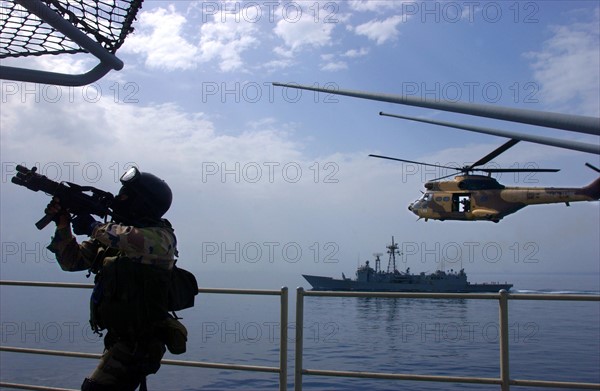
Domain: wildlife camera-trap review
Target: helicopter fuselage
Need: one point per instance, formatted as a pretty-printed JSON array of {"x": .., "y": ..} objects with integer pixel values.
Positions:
[{"x": 477, "y": 197}]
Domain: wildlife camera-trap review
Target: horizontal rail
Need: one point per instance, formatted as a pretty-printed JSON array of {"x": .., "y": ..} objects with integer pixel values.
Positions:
[
  {"x": 34, "y": 388},
  {"x": 215, "y": 365},
  {"x": 472, "y": 296},
  {"x": 46, "y": 284},
  {"x": 553, "y": 297},
  {"x": 403, "y": 376},
  {"x": 558, "y": 384},
  {"x": 181, "y": 363},
  {"x": 267, "y": 292},
  {"x": 48, "y": 352},
  {"x": 403, "y": 295}
]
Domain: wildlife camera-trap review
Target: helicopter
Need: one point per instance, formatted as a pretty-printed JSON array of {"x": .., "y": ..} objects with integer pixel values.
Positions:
[{"x": 472, "y": 197}]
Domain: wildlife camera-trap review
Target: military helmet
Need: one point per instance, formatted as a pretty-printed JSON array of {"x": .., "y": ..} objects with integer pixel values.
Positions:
[{"x": 148, "y": 197}]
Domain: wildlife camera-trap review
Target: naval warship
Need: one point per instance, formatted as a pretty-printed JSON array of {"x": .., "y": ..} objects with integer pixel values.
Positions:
[{"x": 392, "y": 280}]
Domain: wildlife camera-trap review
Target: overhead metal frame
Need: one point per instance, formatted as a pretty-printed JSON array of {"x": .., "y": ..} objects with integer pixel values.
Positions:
[
  {"x": 568, "y": 122},
  {"x": 568, "y": 144},
  {"x": 108, "y": 61},
  {"x": 573, "y": 123}
]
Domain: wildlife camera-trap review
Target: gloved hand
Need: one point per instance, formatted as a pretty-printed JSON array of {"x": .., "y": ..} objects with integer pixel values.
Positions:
[
  {"x": 54, "y": 208},
  {"x": 84, "y": 224}
]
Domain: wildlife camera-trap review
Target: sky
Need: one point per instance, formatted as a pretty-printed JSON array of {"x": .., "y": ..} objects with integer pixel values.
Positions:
[{"x": 272, "y": 183}]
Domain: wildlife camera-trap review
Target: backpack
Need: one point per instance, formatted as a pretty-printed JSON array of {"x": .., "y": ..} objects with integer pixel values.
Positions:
[{"x": 182, "y": 290}]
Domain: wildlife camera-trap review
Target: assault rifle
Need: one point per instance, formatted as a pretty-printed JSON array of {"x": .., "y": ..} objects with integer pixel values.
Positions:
[{"x": 74, "y": 198}]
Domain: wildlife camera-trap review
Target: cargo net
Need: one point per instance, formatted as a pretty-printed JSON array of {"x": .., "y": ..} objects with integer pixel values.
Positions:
[{"x": 24, "y": 34}]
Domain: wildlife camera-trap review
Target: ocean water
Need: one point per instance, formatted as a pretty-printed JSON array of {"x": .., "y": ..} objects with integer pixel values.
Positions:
[{"x": 548, "y": 340}]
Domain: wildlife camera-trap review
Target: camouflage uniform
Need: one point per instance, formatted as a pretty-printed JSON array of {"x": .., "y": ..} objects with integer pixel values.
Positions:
[{"x": 131, "y": 310}]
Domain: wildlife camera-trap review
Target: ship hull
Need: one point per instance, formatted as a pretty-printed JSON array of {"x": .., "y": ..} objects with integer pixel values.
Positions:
[{"x": 321, "y": 283}]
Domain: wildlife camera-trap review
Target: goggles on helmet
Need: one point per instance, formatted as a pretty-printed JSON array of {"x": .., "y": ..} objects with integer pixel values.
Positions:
[{"x": 130, "y": 176}]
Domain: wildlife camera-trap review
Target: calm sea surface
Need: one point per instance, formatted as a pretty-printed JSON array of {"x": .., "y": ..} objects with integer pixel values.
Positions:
[{"x": 548, "y": 340}]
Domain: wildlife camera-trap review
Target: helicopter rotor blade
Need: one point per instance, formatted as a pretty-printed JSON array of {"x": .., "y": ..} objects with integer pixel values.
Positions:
[
  {"x": 442, "y": 177},
  {"x": 492, "y": 170},
  {"x": 501, "y": 149},
  {"x": 410, "y": 161},
  {"x": 593, "y": 167}
]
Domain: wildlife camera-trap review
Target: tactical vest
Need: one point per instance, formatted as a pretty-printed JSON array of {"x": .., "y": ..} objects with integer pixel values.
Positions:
[{"x": 129, "y": 298}]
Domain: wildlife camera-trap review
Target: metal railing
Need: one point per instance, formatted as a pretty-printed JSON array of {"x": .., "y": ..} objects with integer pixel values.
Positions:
[
  {"x": 283, "y": 356},
  {"x": 504, "y": 381}
]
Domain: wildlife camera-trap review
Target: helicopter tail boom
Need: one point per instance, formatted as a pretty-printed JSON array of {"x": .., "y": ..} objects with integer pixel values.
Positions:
[{"x": 551, "y": 195}]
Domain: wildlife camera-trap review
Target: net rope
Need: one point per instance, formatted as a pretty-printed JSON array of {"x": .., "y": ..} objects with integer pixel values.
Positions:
[{"x": 24, "y": 34}]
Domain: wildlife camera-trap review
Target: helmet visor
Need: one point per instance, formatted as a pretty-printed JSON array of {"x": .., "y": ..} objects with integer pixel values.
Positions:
[{"x": 130, "y": 176}]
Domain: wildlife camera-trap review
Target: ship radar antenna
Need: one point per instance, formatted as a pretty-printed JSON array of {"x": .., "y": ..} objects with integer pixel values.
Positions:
[
  {"x": 377, "y": 262},
  {"x": 392, "y": 250}
]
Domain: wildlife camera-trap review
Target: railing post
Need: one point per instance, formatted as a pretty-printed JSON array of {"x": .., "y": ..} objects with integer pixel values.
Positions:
[
  {"x": 504, "y": 360},
  {"x": 283, "y": 344},
  {"x": 299, "y": 338}
]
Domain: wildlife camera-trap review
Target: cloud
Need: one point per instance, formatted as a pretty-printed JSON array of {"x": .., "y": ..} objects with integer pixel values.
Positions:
[
  {"x": 276, "y": 65},
  {"x": 567, "y": 67},
  {"x": 304, "y": 31},
  {"x": 226, "y": 38},
  {"x": 332, "y": 63},
  {"x": 223, "y": 38},
  {"x": 375, "y": 5},
  {"x": 164, "y": 137},
  {"x": 353, "y": 53},
  {"x": 159, "y": 38},
  {"x": 380, "y": 31},
  {"x": 334, "y": 66}
]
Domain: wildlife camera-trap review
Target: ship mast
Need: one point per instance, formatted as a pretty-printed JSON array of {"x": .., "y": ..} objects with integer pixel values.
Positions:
[
  {"x": 377, "y": 262},
  {"x": 392, "y": 250}
]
